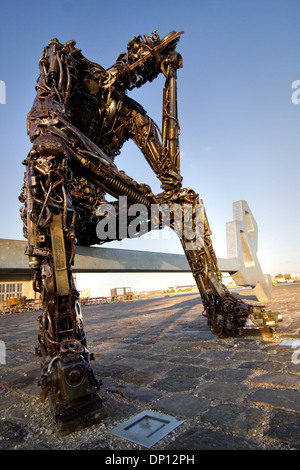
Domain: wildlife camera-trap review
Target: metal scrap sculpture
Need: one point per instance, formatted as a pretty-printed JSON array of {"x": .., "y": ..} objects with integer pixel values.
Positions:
[{"x": 79, "y": 121}]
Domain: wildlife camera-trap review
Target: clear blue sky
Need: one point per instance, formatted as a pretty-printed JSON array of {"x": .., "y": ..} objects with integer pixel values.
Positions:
[{"x": 240, "y": 130}]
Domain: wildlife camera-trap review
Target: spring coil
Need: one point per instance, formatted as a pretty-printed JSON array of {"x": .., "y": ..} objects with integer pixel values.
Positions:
[{"x": 121, "y": 188}]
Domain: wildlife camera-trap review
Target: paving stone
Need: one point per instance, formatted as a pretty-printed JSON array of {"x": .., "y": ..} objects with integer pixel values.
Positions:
[
  {"x": 24, "y": 379},
  {"x": 134, "y": 392},
  {"x": 141, "y": 393},
  {"x": 188, "y": 371},
  {"x": 175, "y": 384},
  {"x": 192, "y": 348},
  {"x": 96, "y": 444},
  {"x": 277, "y": 379},
  {"x": 285, "y": 427},
  {"x": 11, "y": 434},
  {"x": 158, "y": 367},
  {"x": 220, "y": 363},
  {"x": 182, "y": 405},
  {"x": 141, "y": 377},
  {"x": 282, "y": 357},
  {"x": 228, "y": 375},
  {"x": 234, "y": 418},
  {"x": 162, "y": 358},
  {"x": 118, "y": 410},
  {"x": 276, "y": 398},
  {"x": 215, "y": 354},
  {"x": 7, "y": 398},
  {"x": 292, "y": 368},
  {"x": 112, "y": 370},
  {"x": 17, "y": 414},
  {"x": 134, "y": 363},
  {"x": 263, "y": 365},
  {"x": 162, "y": 346},
  {"x": 7, "y": 376},
  {"x": 250, "y": 355},
  {"x": 200, "y": 438},
  {"x": 222, "y": 391}
]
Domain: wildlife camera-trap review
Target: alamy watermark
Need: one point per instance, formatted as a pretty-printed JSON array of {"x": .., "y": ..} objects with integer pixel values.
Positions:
[
  {"x": 294, "y": 344},
  {"x": 2, "y": 92},
  {"x": 296, "y": 354},
  {"x": 130, "y": 221},
  {"x": 296, "y": 94},
  {"x": 2, "y": 352}
]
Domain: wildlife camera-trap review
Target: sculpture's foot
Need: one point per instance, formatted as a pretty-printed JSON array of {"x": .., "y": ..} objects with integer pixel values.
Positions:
[
  {"x": 79, "y": 414},
  {"x": 231, "y": 316},
  {"x": 71, "y": 386},
  {"x": 261, "y": 322}
]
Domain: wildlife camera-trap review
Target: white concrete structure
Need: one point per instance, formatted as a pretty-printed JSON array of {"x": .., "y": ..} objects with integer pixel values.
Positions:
[{"x": 242, "y": 245}]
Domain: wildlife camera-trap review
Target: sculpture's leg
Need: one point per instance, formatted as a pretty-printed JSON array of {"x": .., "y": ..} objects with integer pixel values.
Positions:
[
  {"x": 226, "y": 314},
  {"x": 66, "y": 376}
]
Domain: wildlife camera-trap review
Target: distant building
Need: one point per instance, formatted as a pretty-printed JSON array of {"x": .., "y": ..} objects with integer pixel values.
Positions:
[
  {"x": 19, "y": 288},
  {"x": 85, "y": 294},
  {"x": 121, "y": 293},
  {"x": 283, "y": 278}
]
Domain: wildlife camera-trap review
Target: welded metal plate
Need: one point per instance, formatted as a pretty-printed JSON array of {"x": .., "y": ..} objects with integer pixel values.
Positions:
[{"x": 146, "y": 428}]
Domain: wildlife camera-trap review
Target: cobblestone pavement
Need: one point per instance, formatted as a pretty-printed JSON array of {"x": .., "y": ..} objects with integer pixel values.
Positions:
[{"x": 158, "y": 354}]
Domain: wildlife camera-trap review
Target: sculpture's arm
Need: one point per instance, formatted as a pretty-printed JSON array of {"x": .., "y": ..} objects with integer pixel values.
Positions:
[
  {"x": 143, "y": 61},
  {"x": 160, "y": 147}
]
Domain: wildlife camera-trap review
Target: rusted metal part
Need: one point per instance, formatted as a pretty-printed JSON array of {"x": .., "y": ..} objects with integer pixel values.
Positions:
[{"x": 78, "y": 123}]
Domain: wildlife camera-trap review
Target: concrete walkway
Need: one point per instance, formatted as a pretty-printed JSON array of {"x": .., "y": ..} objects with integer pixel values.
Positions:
[{"x": 158, "y": 354}]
